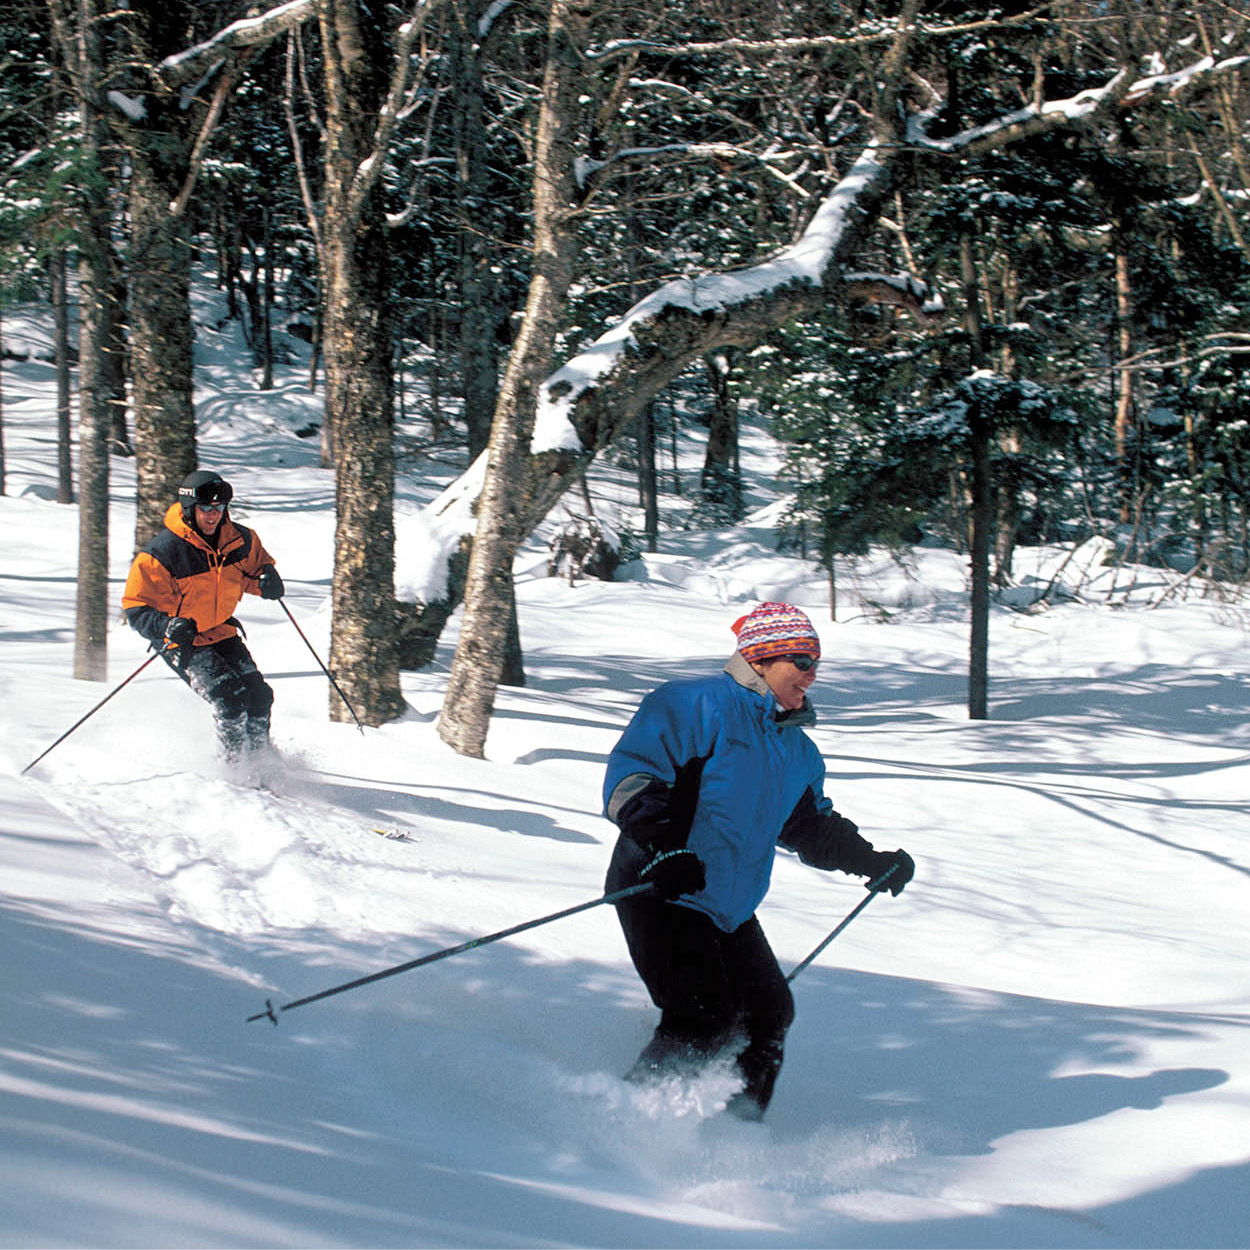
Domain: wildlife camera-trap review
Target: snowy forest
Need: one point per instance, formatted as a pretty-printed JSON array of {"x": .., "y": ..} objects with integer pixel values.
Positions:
[
  {"x": 982, "y": 269},
  {"x": 541, "y": 341}
]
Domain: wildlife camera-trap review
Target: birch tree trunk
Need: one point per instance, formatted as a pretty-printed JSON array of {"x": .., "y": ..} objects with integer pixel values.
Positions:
[
  {"x": 480, "y": 316},
  {"x": 980, "y": 505},
  {"x": 116, "y": 365},
  {"x": 721, "y": 481},
  {"x": 1124, "y": 386},
  {"x": 60, "y": 323},
  {"x": 76, "y": 29},
  {"x": 648, "y": 485},
  {"x": 365, "y": 60},
  {"x": 504, "y": 506},
  {"x": 159, "y": 280},
  {"x": 94, "y": 428},
  {"x": 158, "y": 269},
  {"x": 359, "y": 382},
  {"x": 2, "y": 468}
]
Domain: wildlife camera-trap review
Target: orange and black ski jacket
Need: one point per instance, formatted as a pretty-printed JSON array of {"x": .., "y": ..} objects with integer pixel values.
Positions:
[{"x": 179, "y": 573}]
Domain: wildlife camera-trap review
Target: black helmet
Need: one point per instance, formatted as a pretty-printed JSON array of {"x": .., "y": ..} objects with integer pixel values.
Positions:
[{"x": 202, "y": 486}]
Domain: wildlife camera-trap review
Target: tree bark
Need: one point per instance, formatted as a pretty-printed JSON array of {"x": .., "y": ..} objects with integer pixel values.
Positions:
[
  {"x": 648, "y": 486},
  {"x": 94, "y": 428},
  {"x": 981, "y": 503},
  {"x": 116, "y": 371},
  {"x": 76, "y": 30},
  {"x": 979, "y": 608},
  {"x": 1006, "y": 489},
  {"x": 60, "y": 322},
  {"x": 359, "y": 385},
  {"x": 2, "y": 467},
  {"x": 721, "y": 483},
  {"x": 1124, "y": 385},
  {"x": 159, "y": 273},
  {"x": 480, "y": 316},
  {"x": 504, "y": 506},
  {"x": 158, "y": 269},
  {"x": 365, "y": 62}
]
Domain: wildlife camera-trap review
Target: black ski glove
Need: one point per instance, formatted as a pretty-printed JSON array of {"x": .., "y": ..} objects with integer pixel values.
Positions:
[
  {"x": 674, "y": 873},
  {"x": 891, "y": 870},
  {"x": 270, "y": 584},
  {"x": 181, "y": 631}
]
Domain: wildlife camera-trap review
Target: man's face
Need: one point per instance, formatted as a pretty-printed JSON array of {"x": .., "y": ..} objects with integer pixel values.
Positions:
[
  {"x": 788, "y": 683},
  {"x": 208, "y": 517}
]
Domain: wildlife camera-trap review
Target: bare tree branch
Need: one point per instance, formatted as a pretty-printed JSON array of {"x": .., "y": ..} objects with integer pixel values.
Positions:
[
  {"x": 1225, "y": 343},
  {"x": 294, "y": 51},
  {"x": 225, "y": 85},
  {"x": 370, "y": 169},
  {"x": 816, "y": 43}
]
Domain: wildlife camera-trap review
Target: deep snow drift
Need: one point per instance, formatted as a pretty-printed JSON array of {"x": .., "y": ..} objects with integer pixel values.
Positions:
[{"x": 1043, "y": 1041}]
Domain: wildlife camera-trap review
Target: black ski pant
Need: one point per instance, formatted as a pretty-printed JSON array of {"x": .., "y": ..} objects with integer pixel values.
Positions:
[
  {"x": 715, "y": 991},
  {"x": 224, "y": 674}
]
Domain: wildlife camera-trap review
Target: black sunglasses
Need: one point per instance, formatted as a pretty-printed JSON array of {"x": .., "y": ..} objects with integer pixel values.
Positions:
[{"x": 804, "y": 663}]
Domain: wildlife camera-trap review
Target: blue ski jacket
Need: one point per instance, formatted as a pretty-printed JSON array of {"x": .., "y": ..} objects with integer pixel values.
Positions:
[{"x": 712, "y": 765}]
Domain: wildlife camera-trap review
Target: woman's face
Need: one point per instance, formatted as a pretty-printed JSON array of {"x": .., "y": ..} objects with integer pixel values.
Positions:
[{"x": 788, "y": 683}]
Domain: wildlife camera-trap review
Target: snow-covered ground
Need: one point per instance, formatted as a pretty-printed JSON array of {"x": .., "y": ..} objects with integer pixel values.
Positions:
[{"x": 1045, "y": 1041}]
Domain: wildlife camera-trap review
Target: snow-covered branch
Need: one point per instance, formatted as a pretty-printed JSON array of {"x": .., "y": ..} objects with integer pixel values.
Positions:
[
  {"x": 1118, "y": 93},
  {"x": 247, "y": 32},
  {"x": 583, "y": 403},
  {"x": 724, "y": 308},
  {"x": 805, "y": 263},
  {"x": 904, "y": 290}
]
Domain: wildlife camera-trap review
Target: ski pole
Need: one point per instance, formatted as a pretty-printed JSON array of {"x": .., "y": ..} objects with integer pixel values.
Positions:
[
  {"x": 270, "y": 1012},
  {"x": 93, "y": 711},
  {"x": 325, "y": 670},
  {"x": 874, "y": 888}
]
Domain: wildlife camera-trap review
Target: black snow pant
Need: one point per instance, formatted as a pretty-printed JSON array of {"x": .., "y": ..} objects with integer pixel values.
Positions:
[
  {"x": 716, "y": 991},
  {"x": 224, "y": 674}
]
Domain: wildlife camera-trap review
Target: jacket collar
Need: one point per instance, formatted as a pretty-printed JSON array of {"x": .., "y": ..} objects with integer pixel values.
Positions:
[{"x": 746, "y": 676}]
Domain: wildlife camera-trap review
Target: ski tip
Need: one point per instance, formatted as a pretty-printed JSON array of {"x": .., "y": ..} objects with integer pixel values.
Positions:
[{"x": 394, "y": 834}]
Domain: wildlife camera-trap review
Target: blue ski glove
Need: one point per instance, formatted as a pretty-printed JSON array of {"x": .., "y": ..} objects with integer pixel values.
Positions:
[{"x": 674, "y": 873}]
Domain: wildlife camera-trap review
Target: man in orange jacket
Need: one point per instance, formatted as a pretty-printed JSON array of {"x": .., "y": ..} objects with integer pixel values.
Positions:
[{"x": 181, "y": 594}]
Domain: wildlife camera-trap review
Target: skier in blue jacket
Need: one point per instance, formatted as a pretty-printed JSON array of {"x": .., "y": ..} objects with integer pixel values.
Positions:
[{"x": 709, "y": 777}]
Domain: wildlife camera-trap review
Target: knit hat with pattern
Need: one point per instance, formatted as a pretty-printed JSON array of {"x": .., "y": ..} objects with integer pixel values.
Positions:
[{"x": 775, "y": 629}]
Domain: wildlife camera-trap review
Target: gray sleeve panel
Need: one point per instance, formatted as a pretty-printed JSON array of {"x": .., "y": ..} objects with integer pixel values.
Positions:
[{"x": 625, "y": 790}]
